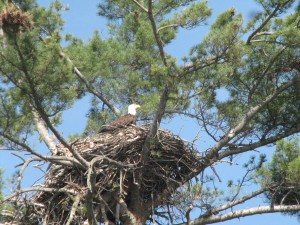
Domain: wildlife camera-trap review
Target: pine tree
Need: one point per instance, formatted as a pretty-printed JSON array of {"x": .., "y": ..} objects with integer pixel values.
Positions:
[{"x": 255, "y": 64}]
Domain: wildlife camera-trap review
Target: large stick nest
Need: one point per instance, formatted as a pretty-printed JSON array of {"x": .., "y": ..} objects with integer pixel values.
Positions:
[{"x": 171, "y": 161}]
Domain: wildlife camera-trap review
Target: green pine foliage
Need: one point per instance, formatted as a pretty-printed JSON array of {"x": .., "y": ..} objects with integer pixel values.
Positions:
[{"x": 281, "y": 175}]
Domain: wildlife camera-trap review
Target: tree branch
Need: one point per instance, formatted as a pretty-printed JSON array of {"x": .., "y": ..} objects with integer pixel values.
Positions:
[
  {"x": 254, "y": 33},
  {"x": 167, "y": 26},
  {"x": 89, "y": 86},
  {"x": 249, "y": 115},
  {"x": 140, "y": 6},
  {"x": 22, "y": 145},
  {"x": 43, "y": 131},
  {"x": 261, "y": 143},
  {"x": 21, "y": 172},
  {"x": 39, "y": 108},
  {"x": 109, "y": 161},
  {"x": 243, "y": 213},
  {"x": 164, "y": 95},
  {"x": 232, "y": 203},
  {"x": 34, "y": 189},
  {"x": 155, "y": 32},
  {"x": 156, "y": 122},
  {"x": 193, "y": 116},
  {"x": 73, "y": 209},
  {"x": 195, "y": 66},
  {"x": 89, "y": 194}
]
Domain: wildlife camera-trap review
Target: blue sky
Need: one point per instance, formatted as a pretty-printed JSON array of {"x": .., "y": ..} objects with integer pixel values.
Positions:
[{"x": 82, "y": 20}]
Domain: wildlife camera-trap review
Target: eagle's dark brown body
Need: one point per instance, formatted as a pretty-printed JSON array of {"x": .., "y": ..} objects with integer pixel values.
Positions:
[{"x": 123, "y": 121}]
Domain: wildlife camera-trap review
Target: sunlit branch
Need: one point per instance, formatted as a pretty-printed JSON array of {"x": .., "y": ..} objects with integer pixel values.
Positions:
[
  {"x": 65, "y": 161},
  {"x": 232, "y": 203},
  {"x": 43, "y": 131},
  {"x": 244, "y": 212},
  {"x": 167, "y": 26},
  {"x": 34, "y": 189},
  {"x": 263, "y": 33},
  {"x": 140, "y": 5}
]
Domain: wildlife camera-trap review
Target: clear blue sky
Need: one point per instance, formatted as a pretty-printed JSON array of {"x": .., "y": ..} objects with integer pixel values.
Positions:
[{"x": 82, "y": 20}]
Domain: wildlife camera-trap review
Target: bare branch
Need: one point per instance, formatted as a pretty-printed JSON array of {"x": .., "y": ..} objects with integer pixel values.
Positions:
[
  {"x": 61, "y": 160},
  {"x": 263, "y": 33},
  {"x": 89, "y": 194},
  {"x": 215, "y": 172},
  {"x": 140, "y": 5},
  {"x": 164, "y": 95},
  {"x": 46, "y": 119},
  {"x": 25, "y": 165},
  {"x": 43, "y": 131},
  {"x": 167, "y": 26},
  {"x": 261, "y": 143},
  {"x": 233, "y": 203},
  {"x": 156, "y": 122},
  {"x": 268, "y": 41},
  {"x": 249, "y": 115},
  {"x": 183, "y": 113},
  {"x": 73, "y": 209},
  {"x": 89, "y": 86},
  {"x": 269, "y": 66},
  {"x": 243, "y": 213},
  {"x": 22, "y": 145},
  {"x": 109, "y": 161},
  {"x": 34, "y": 189}
]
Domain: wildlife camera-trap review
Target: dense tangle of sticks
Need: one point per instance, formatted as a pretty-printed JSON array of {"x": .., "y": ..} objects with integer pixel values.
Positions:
[{"x": 115, "y": 158}]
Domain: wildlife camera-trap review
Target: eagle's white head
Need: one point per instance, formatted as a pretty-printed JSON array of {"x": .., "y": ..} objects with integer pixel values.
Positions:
[{"x": 132, "y": 109}]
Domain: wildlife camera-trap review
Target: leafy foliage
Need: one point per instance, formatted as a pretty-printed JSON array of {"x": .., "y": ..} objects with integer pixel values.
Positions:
[{"x": 281, "y": 175}]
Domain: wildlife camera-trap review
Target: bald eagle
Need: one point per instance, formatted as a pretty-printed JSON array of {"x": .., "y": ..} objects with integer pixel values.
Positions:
[{"x": 123, "y": 121}]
